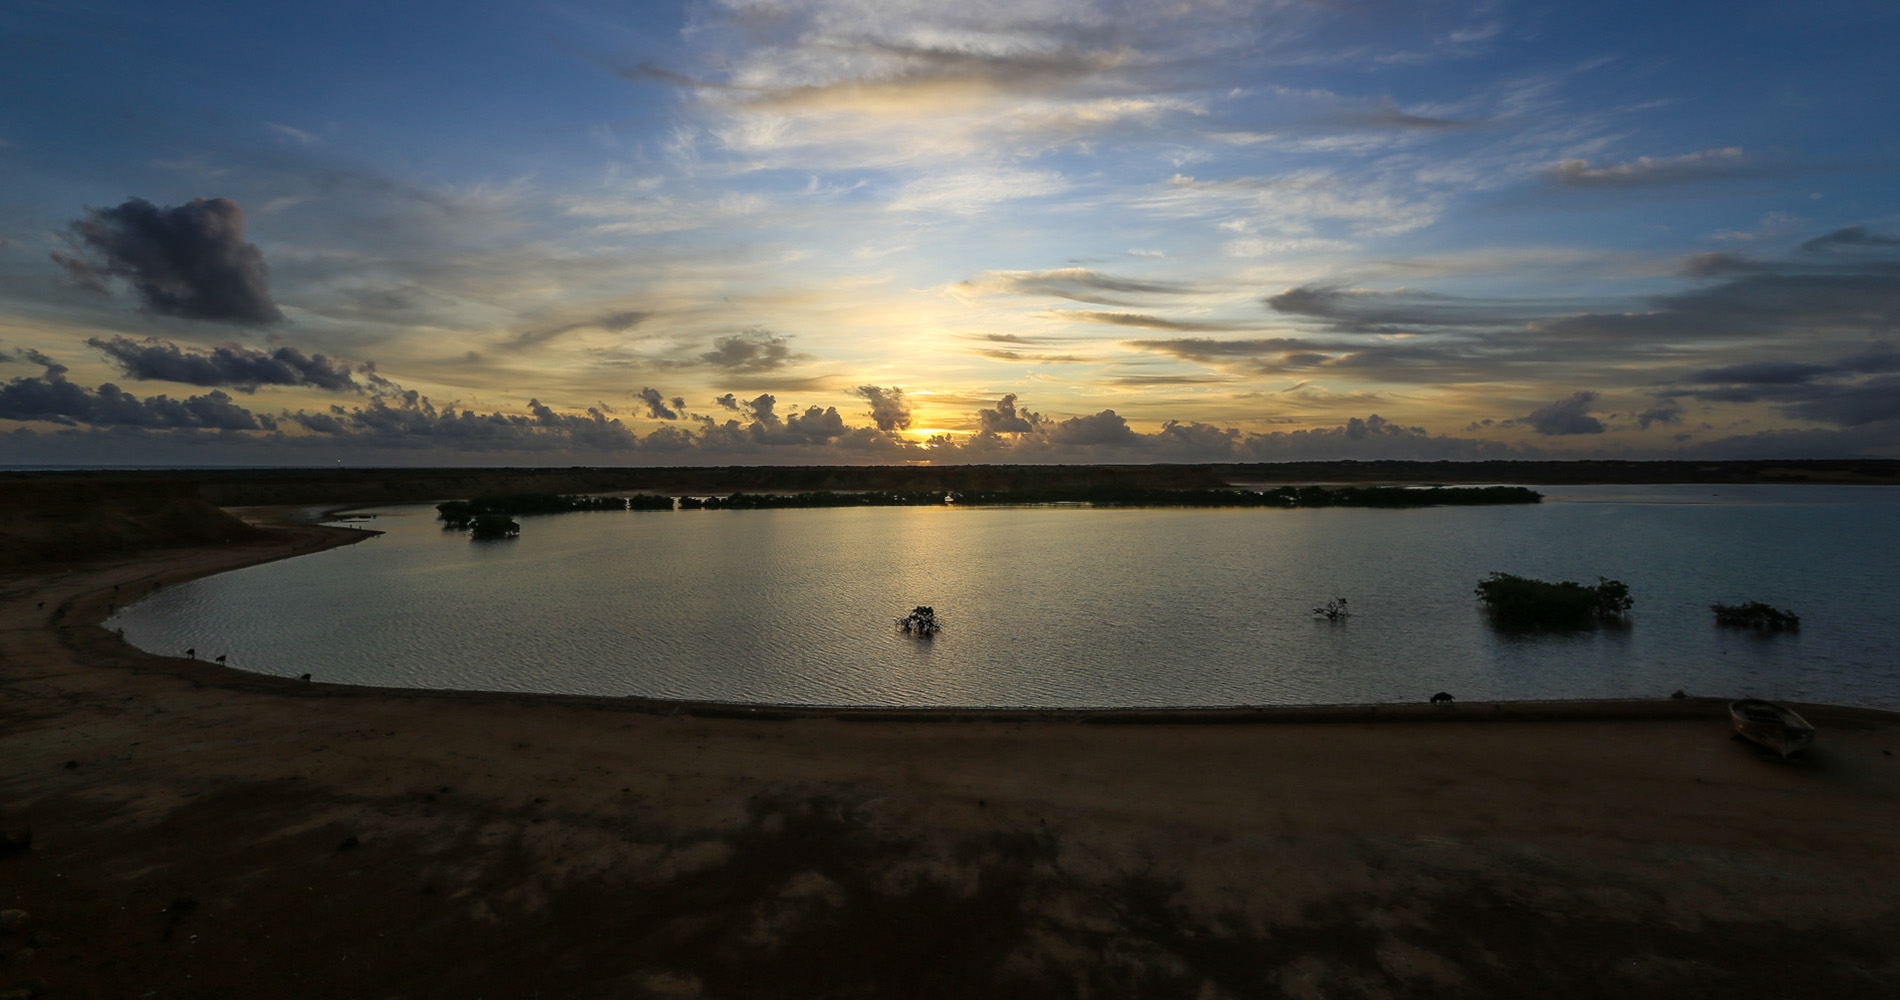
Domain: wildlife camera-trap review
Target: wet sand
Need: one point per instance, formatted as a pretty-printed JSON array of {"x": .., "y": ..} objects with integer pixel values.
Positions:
[{"x": 199, "y": 832}]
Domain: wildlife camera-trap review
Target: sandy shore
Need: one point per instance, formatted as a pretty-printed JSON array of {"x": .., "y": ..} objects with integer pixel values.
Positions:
[{"x": 203, "y": 833}]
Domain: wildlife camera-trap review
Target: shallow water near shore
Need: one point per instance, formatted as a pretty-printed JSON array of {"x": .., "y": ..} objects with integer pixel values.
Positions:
[{"x": 1075, "y": 607}]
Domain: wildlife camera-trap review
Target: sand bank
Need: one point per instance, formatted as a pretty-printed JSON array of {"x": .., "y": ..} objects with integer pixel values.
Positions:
[{"x": 201, "y": 832}]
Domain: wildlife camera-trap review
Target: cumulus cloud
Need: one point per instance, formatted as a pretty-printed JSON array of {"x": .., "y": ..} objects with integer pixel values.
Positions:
[
  {"x": 1569, "y": 415},
  {"x": 890, "y": 408},
  {"x": 656, "y": 404},
  {"x": 1004, "y": 418},
  {"x": 1104, "y": 428},
  {"x": 189, "y": 261},
  {"x": 727, "y": 402},
  {"x": 236, "y": 367},
  {"x": 49, "y": 397}
]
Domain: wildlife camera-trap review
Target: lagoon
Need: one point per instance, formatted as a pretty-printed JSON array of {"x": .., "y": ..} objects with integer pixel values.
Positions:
[{"x": 1067, "y": 606}]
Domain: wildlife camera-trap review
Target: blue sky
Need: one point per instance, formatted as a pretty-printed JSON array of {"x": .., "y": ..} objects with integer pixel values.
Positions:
[{"x": 834, "y": 231}]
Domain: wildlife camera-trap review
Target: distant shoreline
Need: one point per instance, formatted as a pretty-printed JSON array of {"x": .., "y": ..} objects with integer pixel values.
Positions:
[{"x": 258, "y": 487}]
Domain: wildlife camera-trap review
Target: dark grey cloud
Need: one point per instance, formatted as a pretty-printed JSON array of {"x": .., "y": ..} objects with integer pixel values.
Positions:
[
  {"x": 1835, "y": 392},
  {"x": 1005, "y": 418},
  {"x": 1196, "y": 439},
  {"x": 188, "y": 260},
  {"x": 1851, "y": 236},
  {"x": 1857, "y": 405},
  {"x": 1143, "y": 320},
  {"x": 409, "y": 421},
  {"x": 1207, "y": 349},
  {"x": 1667, "y": 412},
  {"x": 1879, "y": 360},
  {"x": 1402, "y": 311},
  {"x": 727, "y": 401},
  {"x": 656, "y": 404},
  {"x": 1389, "y": 115},
  {"x": 1034, "y": 359},
  {"x": 1569, "y": 415},
  {"x": 890, "y": 408},
  {"x": 753, "y": 350},
  {"x": 813, "y": 427},
  {"x": 1171, "y": 380},
  {"x": 235, "y": 367},
  {"x": 1095, "y": 430},
  {"x": 1074, "y": 283},
  {"x": 1722, "y": 265},
  {"x": 613, "y": 321},
  {"x": 51, "y": 398}
]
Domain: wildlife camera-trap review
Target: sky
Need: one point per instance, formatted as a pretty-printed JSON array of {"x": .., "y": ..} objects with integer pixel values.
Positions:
[{"x": 882, "y": 231}]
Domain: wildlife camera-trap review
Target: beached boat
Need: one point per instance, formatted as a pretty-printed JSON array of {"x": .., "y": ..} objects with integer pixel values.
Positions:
[{"x": 1770, "y": 725}]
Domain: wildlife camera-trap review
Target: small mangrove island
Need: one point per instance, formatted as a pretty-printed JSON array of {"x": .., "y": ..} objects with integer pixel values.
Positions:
[{"x": 459, "y": 513}]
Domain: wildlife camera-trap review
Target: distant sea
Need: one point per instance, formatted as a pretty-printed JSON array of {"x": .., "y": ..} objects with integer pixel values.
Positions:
[{"x": 1074, "y": 607}]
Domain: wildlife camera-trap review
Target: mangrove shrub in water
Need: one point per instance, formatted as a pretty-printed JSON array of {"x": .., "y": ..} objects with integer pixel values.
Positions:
[
  {"x": 493, "y": 526},
  {"x": 457, "y": 513},
  {"x": 1520, "y": 602},
  {"x": 1756, "y": 615}
]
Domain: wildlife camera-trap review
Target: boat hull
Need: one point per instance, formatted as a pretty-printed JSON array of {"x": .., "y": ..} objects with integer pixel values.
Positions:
[{"x": 1770, "y": 725}]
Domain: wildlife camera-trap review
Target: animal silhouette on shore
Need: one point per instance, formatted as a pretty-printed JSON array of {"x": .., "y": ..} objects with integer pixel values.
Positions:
[{"x": 1442, "y": 698}]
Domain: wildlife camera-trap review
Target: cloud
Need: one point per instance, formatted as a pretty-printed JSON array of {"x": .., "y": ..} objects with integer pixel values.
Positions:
[
  {"x": 51, "y": 398},
  {"x": 1401, "y": 310},
  {"x": 236, "y": 367},
  {"x": 1076, "y": 283},
  {"x": 815, "y": 426},
  {"x": 1646, "y": 171},
  {"x": 410, "y": 421},
  {"x": 1851, "y": 236},
  {"x": 1388, "y": 114},
  {"x": 727, "y": 401},
  {"x": 753, "y": 350},
  {"x": 1569, "y": 415},
  {"x": 883, "y": 77},
  {"x": 1143, "y": 320},
  {"x": 612, "y": 321},
  {"x": 970, "y": 192},
  {"x": 1004, "y": 418},
  {"x": 1104, "y": 428},
  {"x": 1832, "y": 392},
  {"x": 1022, "y": 357},
  {"x": 189, "y": 261},
  {"x": 1668, "y": 412},
  {"x": 656, "y": 404},
  {"x": 890, "y": 409}
]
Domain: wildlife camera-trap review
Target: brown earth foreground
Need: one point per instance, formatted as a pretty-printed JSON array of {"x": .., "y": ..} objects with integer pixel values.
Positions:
[{"x": 204, "y": 833}]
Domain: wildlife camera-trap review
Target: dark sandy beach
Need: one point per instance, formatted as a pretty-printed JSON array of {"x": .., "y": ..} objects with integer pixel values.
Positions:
[{"x": 198, "y": 832}]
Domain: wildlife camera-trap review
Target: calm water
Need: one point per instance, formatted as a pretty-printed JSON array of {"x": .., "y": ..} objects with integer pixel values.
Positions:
[{"x": 1061, "y": 606}]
